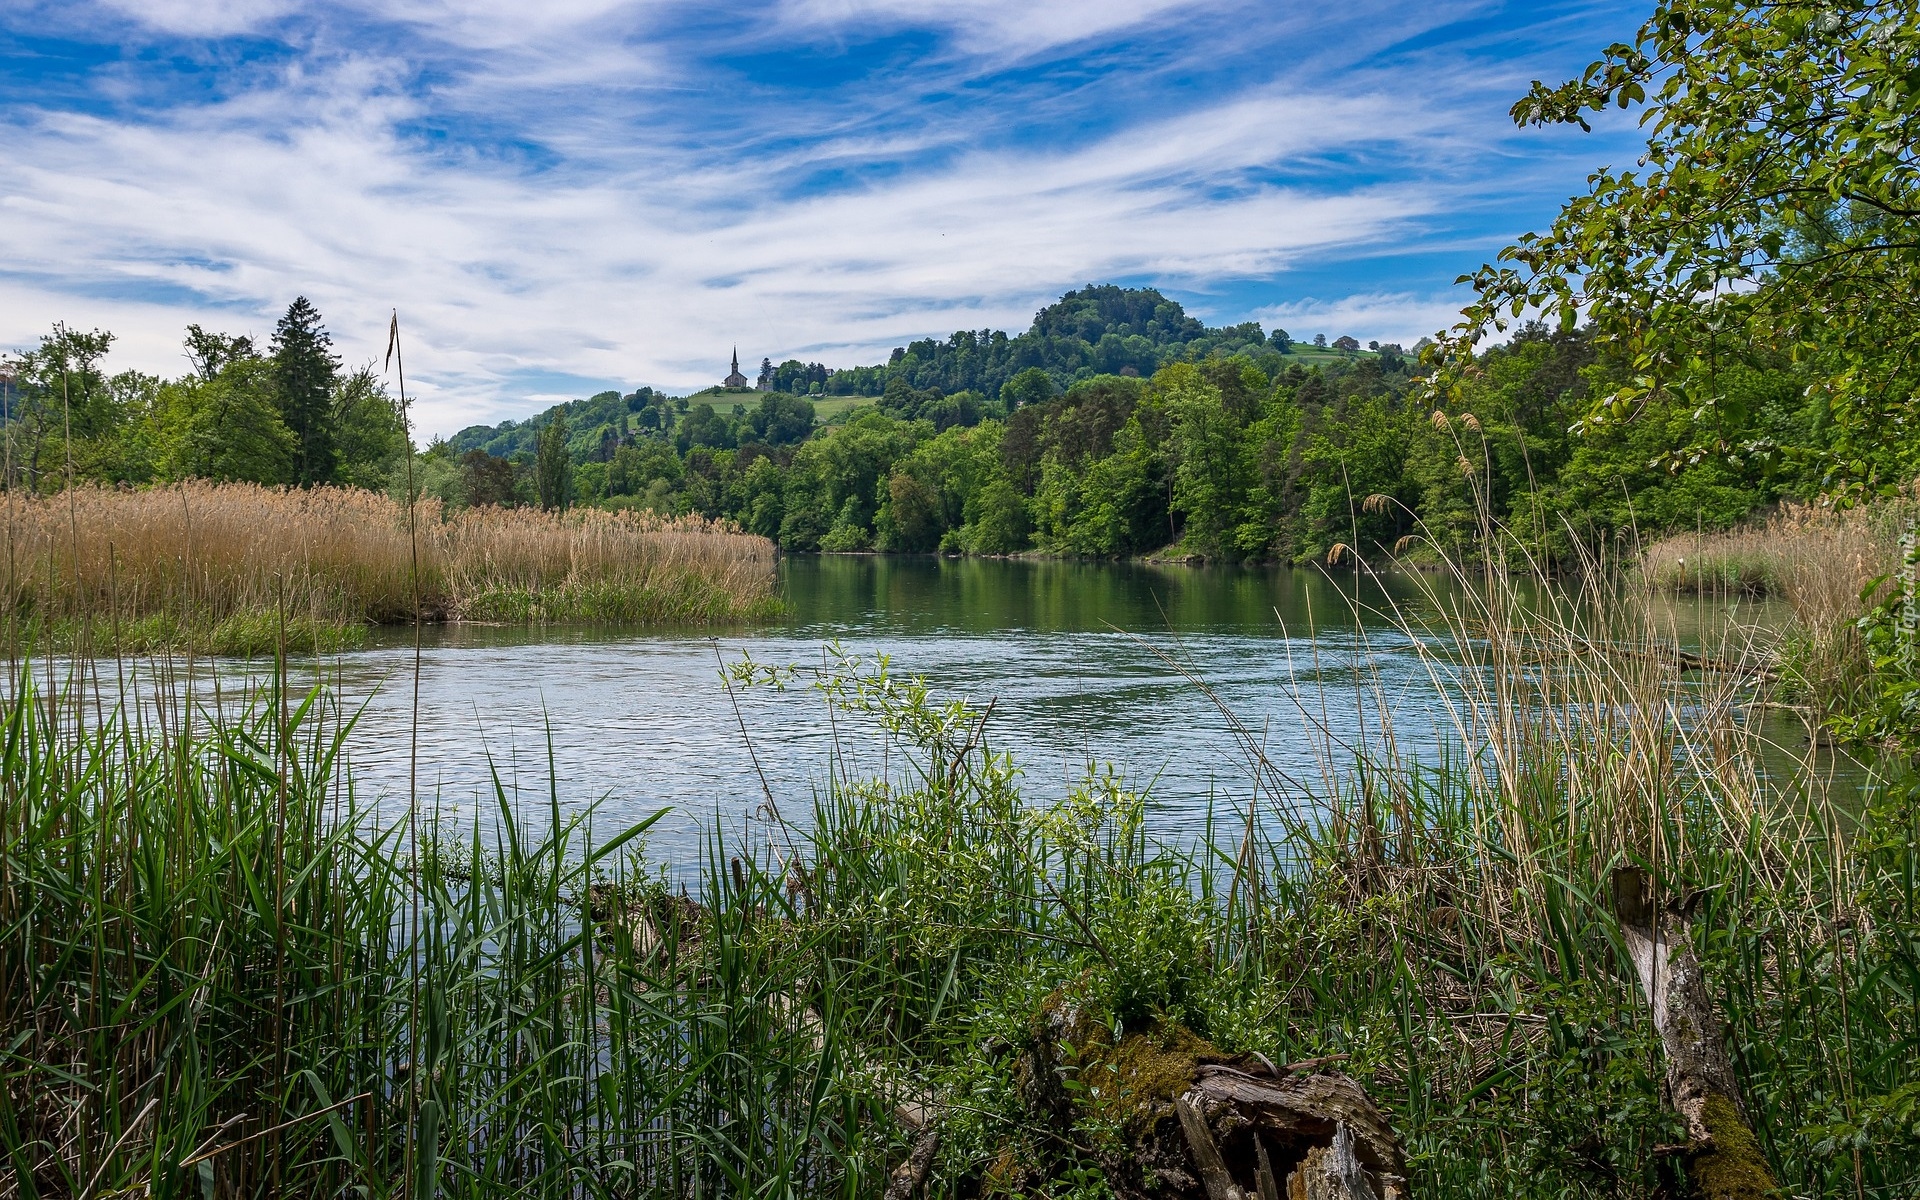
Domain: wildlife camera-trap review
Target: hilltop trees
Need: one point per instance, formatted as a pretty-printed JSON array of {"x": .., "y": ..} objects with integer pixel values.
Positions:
[{"x": 1101, "y": 330}]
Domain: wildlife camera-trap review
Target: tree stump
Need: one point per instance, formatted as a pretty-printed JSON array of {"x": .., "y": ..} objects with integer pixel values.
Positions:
[{"x": 1198, "y": 1124}]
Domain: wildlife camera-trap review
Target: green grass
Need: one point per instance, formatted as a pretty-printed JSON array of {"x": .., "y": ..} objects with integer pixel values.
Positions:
[
  {"x": 208, "y": 944},
  {"x": 252, "y": 633},
  {"x": 837, "y": 408},
  {"x": 685, "y": 601}
]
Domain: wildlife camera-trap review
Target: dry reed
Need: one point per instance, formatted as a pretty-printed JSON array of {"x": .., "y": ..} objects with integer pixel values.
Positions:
[
  {"x": 1827, "y": 565},
  {"x": 1816, "y": 558},
  {"x": 179, "y": 561}
]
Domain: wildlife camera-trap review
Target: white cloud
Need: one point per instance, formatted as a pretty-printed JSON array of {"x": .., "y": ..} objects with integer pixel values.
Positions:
[
  {"x": 611, "y": 237},
  {"x": 1021, "y": 26},
  {"x": 501, "y": 274},
  {"x": 1376, "y": 316},
  {"x": 203, "y": 18},
  {"x": 476, "y": 23}
]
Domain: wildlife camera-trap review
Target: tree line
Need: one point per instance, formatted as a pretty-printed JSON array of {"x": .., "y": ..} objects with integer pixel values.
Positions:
[
  {"x": 1233, "y": 448},
  {"x": 285, "y": 413},
  {"x": 1233, "y": 451}
]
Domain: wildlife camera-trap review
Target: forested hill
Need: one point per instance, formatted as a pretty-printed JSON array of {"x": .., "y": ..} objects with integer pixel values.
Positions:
[
  {"x": 1102, "y": 329},
  {"x": 1119, "y": 426},
  {"x": 1098, "y": 330}
]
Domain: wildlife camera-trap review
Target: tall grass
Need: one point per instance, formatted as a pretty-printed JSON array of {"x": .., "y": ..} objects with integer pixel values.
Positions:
[
  {"x": 1826, "y": 565},
  {"x": 206, "y": 948},
  {"x": 228, "y": 564},
  {"x": 1477, "y": 962},
  {"x": 1815, "y": 557},
  {"x": 219, "y": 978}
]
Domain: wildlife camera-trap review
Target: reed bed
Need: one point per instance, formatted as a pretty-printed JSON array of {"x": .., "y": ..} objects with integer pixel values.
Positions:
[
  {"x": 1816, "y": 557},
  {"x": 1829, "y": 567},
  {"x": 223, "y": 979},
  {"x": 230, "y": 566}
]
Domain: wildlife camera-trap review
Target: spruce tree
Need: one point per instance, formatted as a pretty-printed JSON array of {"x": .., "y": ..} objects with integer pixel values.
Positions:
[
  {"x": 552, "y": 466},
  {"x": 304, "y": 373}
]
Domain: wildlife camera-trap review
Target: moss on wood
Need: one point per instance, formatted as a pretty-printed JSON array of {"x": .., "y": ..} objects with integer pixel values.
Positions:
[
  {"x": 1735, "y": 1168},
  {"x": 1133, "y": 1085}
]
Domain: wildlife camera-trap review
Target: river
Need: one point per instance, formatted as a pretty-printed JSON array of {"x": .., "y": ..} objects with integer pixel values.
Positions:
[{"x": 1083, "y": 664}]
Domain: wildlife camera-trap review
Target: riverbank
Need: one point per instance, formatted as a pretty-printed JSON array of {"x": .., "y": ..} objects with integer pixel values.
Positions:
[
  {"x": 221, "y": 961},
  {"x": 1843, "y": 575},
  {"x": 242, "y": 569}
]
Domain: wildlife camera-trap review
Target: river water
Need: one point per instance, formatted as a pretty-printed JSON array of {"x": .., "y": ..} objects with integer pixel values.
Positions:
[{"x": 1084, "y": 664}]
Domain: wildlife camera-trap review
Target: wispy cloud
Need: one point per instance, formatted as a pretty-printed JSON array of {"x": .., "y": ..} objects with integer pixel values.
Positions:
[
  {"x": 600, "y": 193},
  {"x": 203, "y": 18},
  {"x": 993, "y": 27},
  {"x": 1401, "y": 317}
]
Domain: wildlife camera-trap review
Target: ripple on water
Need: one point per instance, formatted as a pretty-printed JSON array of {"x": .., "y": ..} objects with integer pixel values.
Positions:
[{"x": 1074, "y": 657}]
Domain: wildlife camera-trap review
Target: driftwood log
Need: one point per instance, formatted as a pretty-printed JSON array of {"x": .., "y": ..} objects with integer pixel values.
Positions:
[
  {"x": 1723, "y": 1158},
  {"x": 1197, "y": 1124}
]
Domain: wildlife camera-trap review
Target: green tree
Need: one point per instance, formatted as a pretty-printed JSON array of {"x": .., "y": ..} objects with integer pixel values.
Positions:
[
  {"x": 1357, "y": 449},
  {"x": 304, "y": 373},
  {"x": 1211, "y": 472},
  {"x": 703, "y": 426},
  {"x": 781, "y": 420},
  {"x": 371, "y": 436},
  {"x": 761, "y": 506},
  {"x": 636, "y": 468},
  {"x": 1103, "y": 507},
  {"x": 487, "y": 479},
  {"x": 854, "y": 464},
  {"x": 1031, "y": 386},
  {"x": 208, "y": 352},
  {"x": 63, "y": 408},
  {"x": 1776, "y": 210},
  {"x": 226, "y": 428},
  {"x": 1270, "y": 503},
  {"x": 552, "y": 466},
  {"x": 911, "y": 519},
  {"x": 589, "y": 482},
  {"x": 804, "y": 515},
  {"x": 998, "y": 521}
]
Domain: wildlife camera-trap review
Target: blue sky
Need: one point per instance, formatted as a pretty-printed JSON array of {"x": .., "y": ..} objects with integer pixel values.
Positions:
[{"x": 579, "y": 194}]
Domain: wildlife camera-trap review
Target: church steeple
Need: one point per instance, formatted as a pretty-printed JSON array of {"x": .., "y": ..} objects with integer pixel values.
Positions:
[{"x": 734, "y": 378}]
